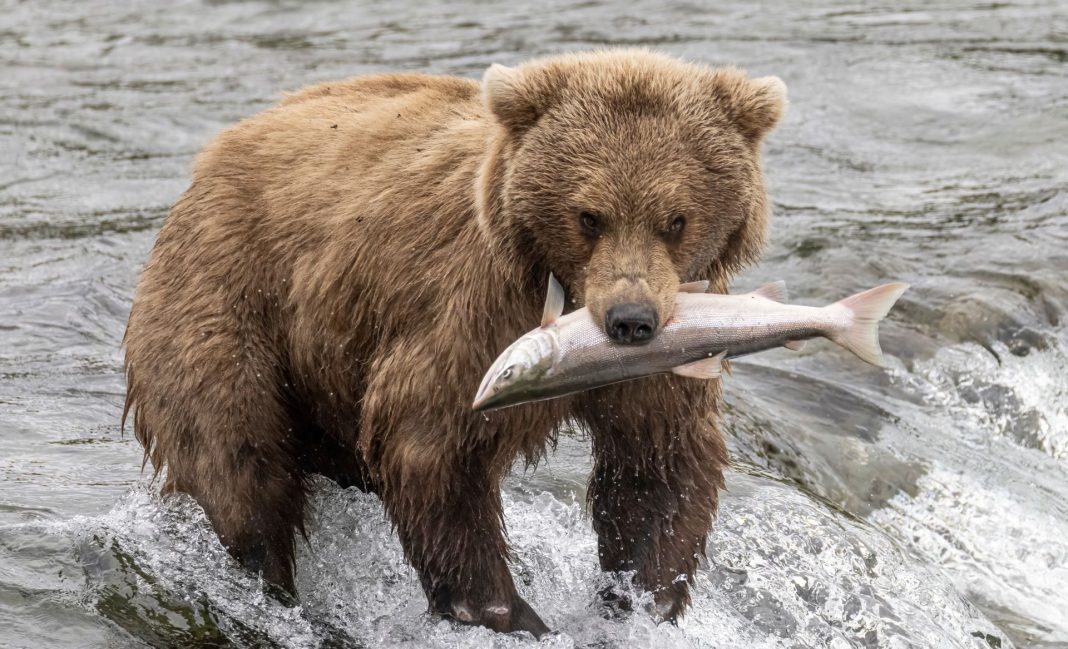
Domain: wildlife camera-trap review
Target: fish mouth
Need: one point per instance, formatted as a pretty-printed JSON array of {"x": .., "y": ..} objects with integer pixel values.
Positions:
[
  {"x": 481, "y": 401},
  {"x": 491, "y": 397},
  {"x": 485, "y": 393},
  {"x": 486, "y": 400}
]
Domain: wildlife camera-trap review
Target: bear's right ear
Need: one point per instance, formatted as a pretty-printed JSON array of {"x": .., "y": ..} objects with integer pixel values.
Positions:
[{"x": 510, "y": 96}]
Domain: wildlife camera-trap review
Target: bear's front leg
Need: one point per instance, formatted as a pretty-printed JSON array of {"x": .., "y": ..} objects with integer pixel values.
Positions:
[
  {"x": 658, "y": 466},
  {"x": 439, "y": 476},
  {"x": 447, "y": 511}
]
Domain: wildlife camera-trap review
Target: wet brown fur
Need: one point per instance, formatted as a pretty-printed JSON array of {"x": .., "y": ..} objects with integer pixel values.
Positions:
[{"x": 326, "y": 295}]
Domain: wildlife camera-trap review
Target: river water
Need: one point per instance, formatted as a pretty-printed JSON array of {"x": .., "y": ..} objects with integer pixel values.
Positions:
[{"x": 921, "y": 506}]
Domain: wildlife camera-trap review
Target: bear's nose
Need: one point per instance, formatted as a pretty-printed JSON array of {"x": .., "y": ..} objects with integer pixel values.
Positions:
[{"x": 631, "y": 324}]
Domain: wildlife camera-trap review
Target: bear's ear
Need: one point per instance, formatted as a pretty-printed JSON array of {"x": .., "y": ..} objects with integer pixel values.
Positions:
[
  {"x": 755, "y": 105},
  {"x": 509, "y": 95}
]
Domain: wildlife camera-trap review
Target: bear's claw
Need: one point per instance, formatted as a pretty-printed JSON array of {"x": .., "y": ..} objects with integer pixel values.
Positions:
[
  {"x": 503, "y": 618},
  {"x": 525, "y": 619}
]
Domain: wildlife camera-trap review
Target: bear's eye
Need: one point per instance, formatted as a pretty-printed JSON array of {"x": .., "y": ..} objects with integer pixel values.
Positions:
[
  {"x": 677, "y": 224},
  {"x": 674, "y": 229},
  {"x": 591, "y": 224}
]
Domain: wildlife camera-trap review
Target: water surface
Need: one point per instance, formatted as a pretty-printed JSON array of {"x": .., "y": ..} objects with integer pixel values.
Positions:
[{"x": 923, "y": 506}]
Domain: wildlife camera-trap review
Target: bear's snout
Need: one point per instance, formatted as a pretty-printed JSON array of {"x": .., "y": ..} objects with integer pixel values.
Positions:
[
  {"x": 631, "y": 307},
  {"x": 631, "y": 323}
]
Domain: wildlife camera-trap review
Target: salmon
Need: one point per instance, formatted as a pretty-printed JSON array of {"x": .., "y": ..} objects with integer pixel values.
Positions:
[{"x": 571, "y": 353}]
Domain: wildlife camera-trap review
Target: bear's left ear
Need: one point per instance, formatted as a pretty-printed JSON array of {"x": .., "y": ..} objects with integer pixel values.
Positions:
[
  {"x": 512, "y": 96},
  {"x": 756, "y": 105},
  {"x": 767, "y": 104}
]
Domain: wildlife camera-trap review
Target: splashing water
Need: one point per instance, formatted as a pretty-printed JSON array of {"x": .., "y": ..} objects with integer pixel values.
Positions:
[
  {"x": 924, "y": 506},
  {"x": 785, "y": 572},
  {"x": 1022, "y": 398}
]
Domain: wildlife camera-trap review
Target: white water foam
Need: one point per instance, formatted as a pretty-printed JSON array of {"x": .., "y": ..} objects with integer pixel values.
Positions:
[
  {"x": 990, "y": 509},
  {"x": 1024, "y": 398},
  {"x": 785, "y": 571},
  {"x": 997, "y": 546}
]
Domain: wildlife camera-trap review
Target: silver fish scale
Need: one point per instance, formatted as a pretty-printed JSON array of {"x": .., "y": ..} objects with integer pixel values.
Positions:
[{"x": 702, "y": 326}]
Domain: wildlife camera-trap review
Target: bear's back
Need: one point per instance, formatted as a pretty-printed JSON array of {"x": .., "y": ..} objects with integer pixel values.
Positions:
[
  {"x": 341, "y": 164},
  {"x": 382, "y": 86}
]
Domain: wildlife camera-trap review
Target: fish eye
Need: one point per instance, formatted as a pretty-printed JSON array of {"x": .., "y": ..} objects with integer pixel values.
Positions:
[{"x": 507, "y": 372}]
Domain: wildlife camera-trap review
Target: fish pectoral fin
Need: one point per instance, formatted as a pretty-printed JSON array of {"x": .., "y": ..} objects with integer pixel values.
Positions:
[
  {"x": 700, "y": 286},
  {"x": 796, "y": 345},
  {"x": 774, "y": 291},
  {"x": 706, "y": 368},
  {"x": 554, "y": 302}
]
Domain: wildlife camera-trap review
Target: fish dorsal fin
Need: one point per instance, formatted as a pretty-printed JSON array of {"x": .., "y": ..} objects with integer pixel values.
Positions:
[
  {"x": 700, "y": 286},
  {"x": 796, "y": 345},
  {"x": 554, "y": 302},
  {"x": 774, "y": 291},
  {"x": 706, "y": 368}
]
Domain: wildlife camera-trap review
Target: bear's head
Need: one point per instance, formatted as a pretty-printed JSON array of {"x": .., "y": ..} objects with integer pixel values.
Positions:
[{"x": 625, "y": 173}]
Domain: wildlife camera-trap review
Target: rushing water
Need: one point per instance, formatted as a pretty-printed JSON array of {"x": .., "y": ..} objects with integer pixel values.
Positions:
[{"x": 922, "y": 506}]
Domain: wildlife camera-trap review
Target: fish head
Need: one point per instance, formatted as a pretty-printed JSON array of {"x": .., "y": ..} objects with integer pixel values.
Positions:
[{"x": 520, "y": 373}]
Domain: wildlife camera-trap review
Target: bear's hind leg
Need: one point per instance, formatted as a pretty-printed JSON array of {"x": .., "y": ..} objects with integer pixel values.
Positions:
[
  {"x": 322, "y": 453},
  {"x": 256, "y": 505},
  {"x": 213, "y": 410}
]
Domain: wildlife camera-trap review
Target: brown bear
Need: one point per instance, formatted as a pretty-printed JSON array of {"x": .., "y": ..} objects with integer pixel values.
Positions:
[{"x": 326, "y": 295}]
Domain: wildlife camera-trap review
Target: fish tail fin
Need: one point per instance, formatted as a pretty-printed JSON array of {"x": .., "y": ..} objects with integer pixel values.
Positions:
[{"x": 868, "y": 308}]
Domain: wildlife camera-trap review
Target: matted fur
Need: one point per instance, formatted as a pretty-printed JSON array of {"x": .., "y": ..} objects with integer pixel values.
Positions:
[{"x": 345, "y": 265}]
